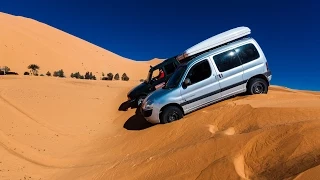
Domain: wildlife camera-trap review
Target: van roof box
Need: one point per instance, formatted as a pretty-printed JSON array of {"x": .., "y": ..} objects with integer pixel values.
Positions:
[{"x": 216, "y": 41}]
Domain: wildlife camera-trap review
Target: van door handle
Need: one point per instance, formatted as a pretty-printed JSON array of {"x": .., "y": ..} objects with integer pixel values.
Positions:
[{"x": 220, "y": 75}]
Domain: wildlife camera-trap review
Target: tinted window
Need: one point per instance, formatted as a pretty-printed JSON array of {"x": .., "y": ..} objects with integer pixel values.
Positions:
[
  {"x": 227, "y": 60},
  {"x": 199, "y": 72},
  {"x": 247, "y": 53},
  {"x": 169, "y": 68},
  {"x": 176, "y": 77}
]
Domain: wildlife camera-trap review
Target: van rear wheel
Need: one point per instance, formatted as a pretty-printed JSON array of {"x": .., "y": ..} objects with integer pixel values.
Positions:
[
  {"x": 170, "y": 114},
  {"x": 257, "y": 86}
]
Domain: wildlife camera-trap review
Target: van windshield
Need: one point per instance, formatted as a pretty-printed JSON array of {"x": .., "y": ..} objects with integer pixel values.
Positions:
[{"x": 175, "y": 79}]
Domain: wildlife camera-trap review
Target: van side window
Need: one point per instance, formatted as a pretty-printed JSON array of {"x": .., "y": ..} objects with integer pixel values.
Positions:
[
  {"x": 169, "y": 68},
  {"x": 199, "y": 72},
  {"x": 227, "y": 60},
  {"x": 247, "y": 53}
]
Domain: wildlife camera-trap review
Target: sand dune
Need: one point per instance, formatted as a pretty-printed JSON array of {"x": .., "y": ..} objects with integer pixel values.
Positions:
[
  {"x": 55, "y": 128},
  {"x": 24, "y": 41},
  {"x": 155, "y": 61}
]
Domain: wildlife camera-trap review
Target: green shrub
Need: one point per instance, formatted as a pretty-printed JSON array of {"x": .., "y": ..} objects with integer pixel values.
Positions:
[
  {"x": 124, "y": 77},
  {"x": 109, "y": 77},
  {"x": 89, "y": 76},
  {"x": 116, "y": 77},
  {"x": 59, "y": 73},
  {"x": 75, "y": 75}
]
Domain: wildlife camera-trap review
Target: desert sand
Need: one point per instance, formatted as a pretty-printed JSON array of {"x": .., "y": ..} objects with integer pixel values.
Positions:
[
  {"x": 63, "y": 128},
  {"x": 53, "y": 128}
]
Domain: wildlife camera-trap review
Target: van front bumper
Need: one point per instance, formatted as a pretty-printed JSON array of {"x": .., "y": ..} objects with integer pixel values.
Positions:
[
  {"x": 151, "y": 115},
  {"x": 269, "y": 78}
]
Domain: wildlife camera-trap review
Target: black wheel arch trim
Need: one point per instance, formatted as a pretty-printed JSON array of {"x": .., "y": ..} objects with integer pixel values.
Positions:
[
  {"x": 171, "y": 104},
  {"x": 264, "y": 76}
]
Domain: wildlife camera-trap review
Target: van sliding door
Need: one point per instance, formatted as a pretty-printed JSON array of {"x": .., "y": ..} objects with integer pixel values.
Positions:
[{"x": 230, "y": 73}]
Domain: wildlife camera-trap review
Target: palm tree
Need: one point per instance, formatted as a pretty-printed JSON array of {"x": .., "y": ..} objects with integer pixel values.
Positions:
[
  {"x": 6, "y": 69},
  {"x": 34, "y": 68}
]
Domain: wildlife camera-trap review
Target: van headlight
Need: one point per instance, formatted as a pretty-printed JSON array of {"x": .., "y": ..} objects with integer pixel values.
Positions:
[{"x": 148, "y": 105}]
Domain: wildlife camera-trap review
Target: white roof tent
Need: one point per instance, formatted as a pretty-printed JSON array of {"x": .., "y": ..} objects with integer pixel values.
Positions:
[{"x": 215, "y": 41}]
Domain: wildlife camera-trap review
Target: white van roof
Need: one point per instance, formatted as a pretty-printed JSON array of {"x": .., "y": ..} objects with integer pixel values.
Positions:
[{"x": 216, "y": 40}]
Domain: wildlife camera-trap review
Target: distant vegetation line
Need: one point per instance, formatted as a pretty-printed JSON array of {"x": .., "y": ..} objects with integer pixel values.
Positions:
[{"x": 34, "y": 68}]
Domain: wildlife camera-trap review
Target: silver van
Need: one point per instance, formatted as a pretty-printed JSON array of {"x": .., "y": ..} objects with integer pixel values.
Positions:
[{"x": 228, "y": 70}]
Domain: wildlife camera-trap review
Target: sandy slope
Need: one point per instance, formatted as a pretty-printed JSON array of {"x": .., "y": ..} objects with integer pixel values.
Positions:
[
  {"x": 24, "y": 41},
  {"x": 55, "y": 128}
]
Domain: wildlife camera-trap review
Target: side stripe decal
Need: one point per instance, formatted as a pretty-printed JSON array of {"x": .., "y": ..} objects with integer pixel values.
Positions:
[
  {"x": 213, "y": 93},
  {"x": 268, "y": 73}
]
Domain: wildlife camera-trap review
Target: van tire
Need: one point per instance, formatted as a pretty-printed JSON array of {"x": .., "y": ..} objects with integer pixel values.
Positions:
[
  {"x": 170, "y": 114},
  {"x": 257, "y": 86}
]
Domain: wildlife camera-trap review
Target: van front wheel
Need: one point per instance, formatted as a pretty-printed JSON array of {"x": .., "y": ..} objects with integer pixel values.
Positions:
[
  {"x": 257, "y": 86},
  {"x": 170, "y": 114}
]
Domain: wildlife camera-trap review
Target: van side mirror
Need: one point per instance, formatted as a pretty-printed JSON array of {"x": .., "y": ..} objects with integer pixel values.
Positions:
[{"x": 186, "y": 83}]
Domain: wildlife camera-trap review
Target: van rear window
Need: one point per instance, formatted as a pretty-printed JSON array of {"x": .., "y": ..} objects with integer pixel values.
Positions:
[
  {"x": 227, "y": 60},
  {"x": 247, "y": 53}
]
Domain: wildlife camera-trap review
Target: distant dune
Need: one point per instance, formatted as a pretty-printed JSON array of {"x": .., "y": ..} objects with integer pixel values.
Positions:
[
  {"x": 24, "y": 41},
  {"x": 63, "y": 128},
  {"x": 155, "y": 61}
]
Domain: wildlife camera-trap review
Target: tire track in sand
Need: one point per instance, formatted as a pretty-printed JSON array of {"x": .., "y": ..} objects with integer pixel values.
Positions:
[
  {"x": 15, "y": 107},
  {"x": 6, "y": 143},
  {"x": 14, "y": 148},
  {"x": 23, "y": 152}
]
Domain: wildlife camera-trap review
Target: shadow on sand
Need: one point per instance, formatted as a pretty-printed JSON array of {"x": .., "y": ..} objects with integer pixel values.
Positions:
[
  {"x": 137, "y": 122},
  {"x": 124, "y": 106}
]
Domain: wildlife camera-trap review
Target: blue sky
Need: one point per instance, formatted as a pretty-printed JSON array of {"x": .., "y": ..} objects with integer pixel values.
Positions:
[{"x": 288, "y": 31}]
